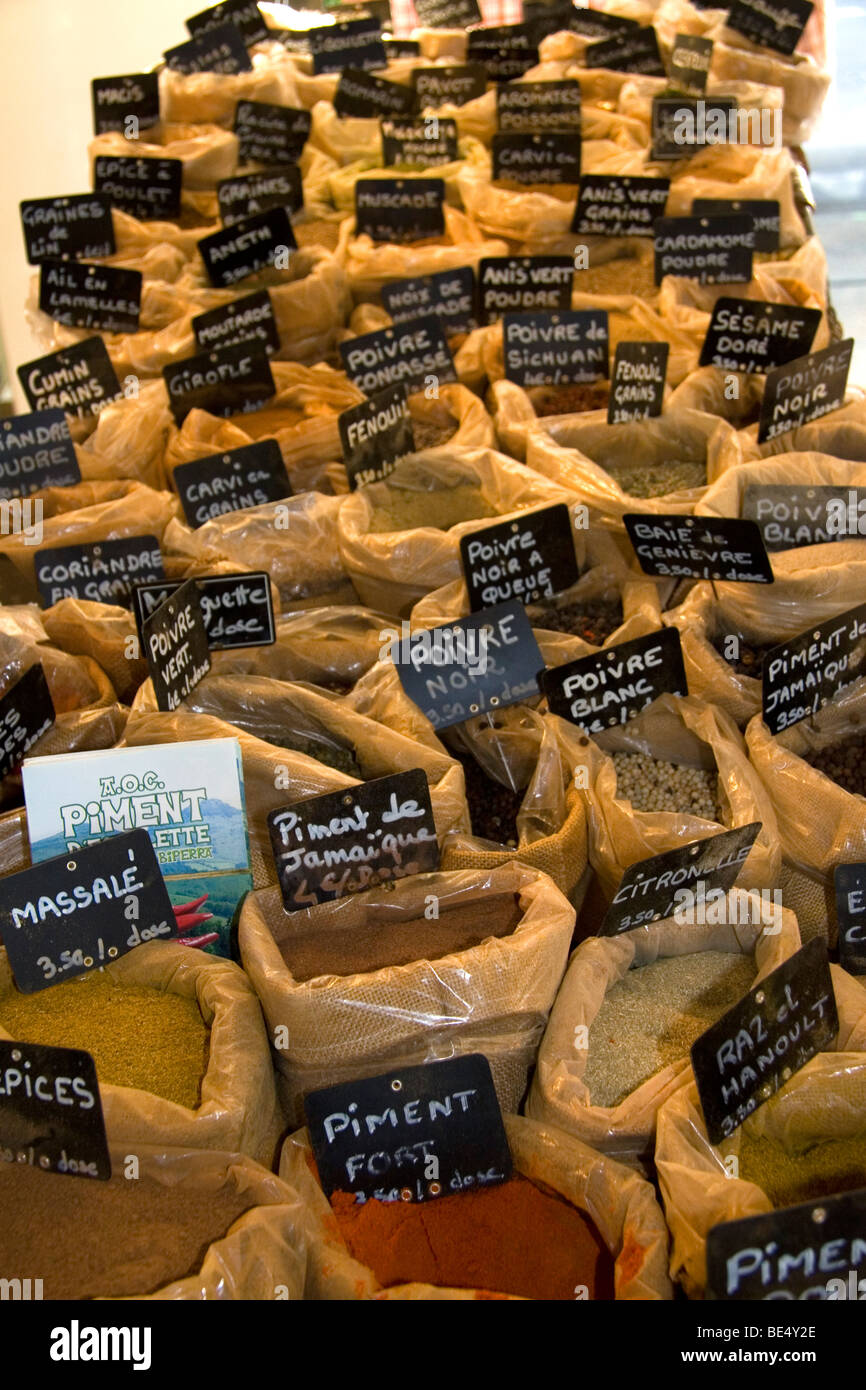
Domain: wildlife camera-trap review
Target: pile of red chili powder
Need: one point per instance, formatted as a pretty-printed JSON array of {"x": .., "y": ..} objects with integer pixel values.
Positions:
[{"x": 514, "y": 1238}]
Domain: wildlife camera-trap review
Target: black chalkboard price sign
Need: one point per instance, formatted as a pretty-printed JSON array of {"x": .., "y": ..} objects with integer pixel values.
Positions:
[
  {"x": 555, "y": 349},
  {"x": 246, "y": 247},
  {"x": 501, "y": 62},
  {"x": 78, "y": 379},
  {"x": 119, "y": 101},
  {"x": 246, "y": 477},
  {"x": 221, "y": 49},
  {"x": 409, "y": 353},
  {"x": 452, "y": 85},
  {"x": 26, "y": 713},
  {"x": 353, "y": 43},
  {"x": 804, "y": 390},
  {"x": 523, "y": 284},
  {"x": 619, "y": 205},
  {"x": 531, "y": 107},
  {"x": 375, "y": 434},
  {"x": 850, "y": 886},
  {"x": 355, "y": 839},
  {"x": 527, "y": 558},
  {"x": 680, "y": 126},
  {"x": 638, "y": 385},
  {"x": 422, "y": 144},
  {"x": 104, "y": 571},
  {"x": 77, "y": 227},
  {"x": 776, "y": 24},
  {"x": 36, "y": 451},
  {"x": 83, "y": 909},
  {"x": 764, "y": 212},
  {"x": 614, "y": 685},
  {"x": 758, "y": 1045},
  {"x": 226, "y": 381},
  {"x": 174, "y": 639},
  {"x": 448, "y": 14},
  {"x": 690, "y": 63},
  {"x": 813, "y": 1251},
  {"x": 104, "y": 297},
  {"x": 448, "y": 295},
  {"x": 549, "y": 156},
  {"x": 597, "y": 24},
  {"x": 52, "y": 1119},
  {"x": 708, "y": 249},
  {"x": 270, "y": 134},
  {"x": 802, "y": 676},
  {"x": 237, "y": 608},
  {"x": 146, "y": 187},
  {"x": 752, "y": 335},
  {"x": 245, "y": 15},
  {"x": 361, "y": 93},
  {"x": 442, "y": 1133},
  {"x": 685, "y": 882},
  {"x": 699, "y": 547},
  {"x": 399, "y": 210},
  {"x": 248, "y": 319},
  {"x": 249, "y": 194},
  {"x": 792, "y": 515},
  {"x": 629, "y": 50},
  {"x": 481, "y": 663}
]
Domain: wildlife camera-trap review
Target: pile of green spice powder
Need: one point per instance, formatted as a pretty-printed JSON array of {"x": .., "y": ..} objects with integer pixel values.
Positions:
[
  {"x": 651, "y": 1017},
  {"x": 834, "y": 1165},
  {"x": 138, "y": 1036},
  {"x": 405, "y": 509}
]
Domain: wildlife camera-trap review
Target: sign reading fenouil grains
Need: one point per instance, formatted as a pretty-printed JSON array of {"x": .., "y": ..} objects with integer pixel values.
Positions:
[{"x": 188, "y": 796}]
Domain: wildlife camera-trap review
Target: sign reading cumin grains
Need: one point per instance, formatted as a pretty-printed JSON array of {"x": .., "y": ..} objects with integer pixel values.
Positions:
[
  {"x": 528, "y": 558},
  {"x": 249, "y": 476},
  {"x": 614, "y": 685},
  {"x": 72, "y": 914},
  {"x": 78, "y": 379},
  {"x": 556, "y": 349},
  {"x": 117, "y": 101},
  {"x": 250, "y": 318},
  {"x": 361, "y": 93},
  {"x": 245, "y": 15},
  {"x": 776, "y": 24},
  {"x": 354, "y": 43},
  {"x": 102, "y": 571},
  {"x": 412, "y": 1134},
  {"x": 708, "y": 249},
  {"x": 355, "y": 839},
  {"x": 237, "y": 608},
  {"x": 147, "y": 188},
  {"x": 751, "y": 335},
  {"x": 802, "y": 676},
  {"x": 764, "y": 212},
  {"x": 681, "y": 547},
  {"x": 91, "y": 296},
  {"x": 630, "y": 50},
  {"x": 549, "y": 157},
  {"x": 75, "y": 227},
  {"x": 36, "y": 451},
  {"x": 638, "y": 385},
  {"x": 220, "y": 50},
  {"x": 850, "y": 886},
  {"x": 804, "y": 390},
  {"x": 752, "y": 1050},
  {"x": 531, "y": 107},
  {"x": 617, "y": 205},
  {"x": 523, "y": 284},
  {"x": 453, "y": 85},
  {"x": 448, "y": 295},
  {"x": 399, "y": 210},
  {"x": 408, "y": 353},
  {"x": 54, "y": 1122},
  {"x": 270, "y": 134},
  {"x": 26, "y": 713},
  {"x": 229, "y": 380},
  {"x": 174, "y": 639},
  {"x": 375, "y": 435},
  {"x": 654, "y": 889},
  {"x": 420, "y": 143},
  {"x": 248, "y": 246}
]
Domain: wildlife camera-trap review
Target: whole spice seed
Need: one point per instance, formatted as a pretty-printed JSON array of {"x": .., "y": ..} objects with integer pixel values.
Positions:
[
  {"x": 432, "y": 423},
  {"x": 88, "y": 1239},
  {"x": 651, "y": 784},
  {"x": 569, "y": 400},
  {"x": 658, "y": 479},
  {"x": 443, "y": 508},
  {"x": 515, "y": 1238},
  {"x": 592, "y": 619},
  {"x": 493, "y": 808},
  {"x": 651, "y": 1017},
  {"x": 844, "y": 763},
  {"x": 626, "y": 275},
  {"x": 138, "y": 1036},
  {"x": 837, "y": 1165},
  {"x": 750, "y": 659}
]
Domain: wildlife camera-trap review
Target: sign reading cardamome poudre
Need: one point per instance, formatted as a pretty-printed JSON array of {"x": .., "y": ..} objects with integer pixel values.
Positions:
[
  {"x": 458, "y": 670},
  {"x": 776, "y": 24},
  {"x": 36, "y": 451},
  {"x": 250, "y": 318},
  {"x": 614, "y": 685},
  {"x": 532, "y": 107},
  {"x": 680, "y": 546},
  {"x": 54, "y": 1121},
  {"x": 270, "y": 134},
  {"x": 375, "y": 434},
  {"x": 415, "y": 353},
  {"x": 245, "y": 15},
  {"x": 527, "y": 558},
  {"x": 448, "y": 295},
  {"x": 630, "y": 50},
  {"x": 226, "y": 381},
  {"x": 353, "y": 43},
  {"x": 804, "y": 390},
  {"x": 692, "y": 881},
  {"x": 78, "y": 379},
  {"x": 143, "y": 186},
  {"x": 619, "y": 205},
  {"x": 423, "y": 144},
  {"x": 91, "y": 296},
  {"x": 764, "y": 212},
  {"x": 399, "y": 210},
  {"x": 708, "y": 249},
  {"x": 556, "y": 349},
  {"x": 355, "y": 839},
  {"x": 850, "y": 886},
  {"x": 119, "y": 101},
  {"x": 248, "y": 246},
  {"x": 175, "y": 645},
  {"x": 802, "y": 676},
  {"x": 101, "y": 571},
  {"x": 792, "y": 515},
  {"x": 412, "y": 1134},
  {"x": 361, "y": 93},
  {"x": 76, "y": 227},
  {"x": 752, "y": 1050},
  {"x": 249, "y": 194},
  {"x": 452, "y": 85},
  {"x": 547, "y": 157},
  {"x": 249, "y": 476},
  {"x": 523, "y": 284},
  {"x": 69, "y": 915},
  {"x": 26, "y": 713},
  {"x": 220, "y": 50},
  {"x": 638, "y": 385},
  {"x": 753, "y": 335},
  {"x": 690, "y": 62},
  {"x": 237, "y": 608}
]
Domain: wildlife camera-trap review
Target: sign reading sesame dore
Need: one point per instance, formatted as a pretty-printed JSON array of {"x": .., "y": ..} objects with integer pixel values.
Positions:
[
  {"x": 481, "y": 663},
  {"x": 415, "y": 353},
  {"x": 804, "y": 390},
  {"x": 618, "y": 205},
  {"x": 528, "y": 557},
  {"x": 220, "y": 50},
  {"x": 229, "y": 380},
  {"x": 118, "y": 101},
  {"x": 790, "y": 515},
  {"x": 78, "y": 379},
  {"x": 355, "y": 839},
  {"x": 752, "y": 335},
  {"x": 67, "y": 916},
  {"x": 802, "y": 676},
  {"x": 249, "y": 476},
  {"x": 26, "y": 713},
  {"x": 850, "y": 886},
  {"x": 248, "y": 246},
  {"x": 375, "y": 434},
  {"x": 699, "y": 547},
  {"x": 708, "y": 249},
  {"x": 176, "y": 646},
  {"x": 752, "y": 1050},
  {"x": 75, "y": 227},
  {"x": 411, "y": 1135},
  {"x": 238, "y": 609},
  {"x": 453, "y": 86},
  {"x": 90, "y": 296},
  {"x": 638, "y": 386},
  {"x": 614, "y": 685},
  {"x": 270, "y": 134},
  {"x": 101, "y": 571},
  {"x": 52, "y": 1120},
  {"x": 765, "y": 214},
  {"x": 145, "y": 187},
  {"x": 555, "y": 349},
  {"x": 523, "y": 284},
  {"x": 399, "y": 210},
  {"x": 449, "y": 295},
  {"x": 353, "y": 43},
  {"x": 250, "y": 194},
  {"x": 36, "y": 451},
  {"x": 250, "y": 318},
  {"x": 694, "y": 878},
  {"x": 813, "y": 1251}
]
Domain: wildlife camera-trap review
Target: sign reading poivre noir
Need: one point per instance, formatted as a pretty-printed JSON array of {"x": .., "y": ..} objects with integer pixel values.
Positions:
[{"x": 805, "y": 389}]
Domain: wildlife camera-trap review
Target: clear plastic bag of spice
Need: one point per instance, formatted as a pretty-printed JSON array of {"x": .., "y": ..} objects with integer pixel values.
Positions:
[
  {"x": 620, "y": 1204},
  {"x": 841, "y": 435},
  {"x": 213, "y": 97},
  {"x": 706, "y": 389},
  {"x": 208, "y": 153},
  {"x": 371, "y": 265}
]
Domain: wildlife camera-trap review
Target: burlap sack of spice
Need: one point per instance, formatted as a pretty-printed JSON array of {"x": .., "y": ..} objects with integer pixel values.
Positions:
[
  {"x": 370, "y": 265},
  {"x": 756, "y": 102},
  {"x": 343, "y": 181},
  {"x": 276, "y": 776},
  {"x": 477, "y": 119},
  {"x": 492, "y": 998},
  {"x": 841, "y": 434},
  {"x": 687, "y": 732},
  {"x": 207, "y": 152},
  {"x": 129, "y": 439},
  {"x": 237, "y": 1107},
  {"x": 737, "y": 171},
  {"x": 391, "y": 570},
  {"x": 211, "y": 98},
  {"x": 104, "y": 632},
  {"x": 294, "y": 540},
  {"x": 700, "y": 619},
  {"x": 330, "y": 647},
  {"x": 810, "y": 583},
  {"x": 74, "y": 682},
  {"x": 825, "y": 1100},
  {"x": 559, "y": 1094},
  {"x": 711, "y": 390},
  {"x": 572, "y": 450},
  {"x": 514, "y": 412},
  {"x": 448, "y": 44},
  {"x": 820, "y": 824},
  {"x": 619, "y": 1203}
]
